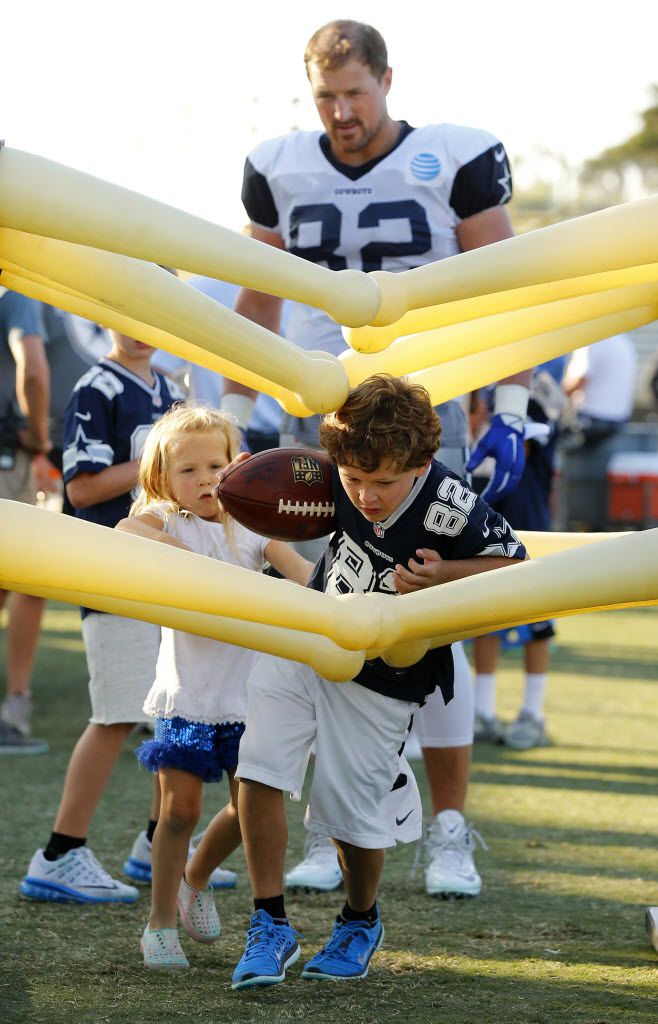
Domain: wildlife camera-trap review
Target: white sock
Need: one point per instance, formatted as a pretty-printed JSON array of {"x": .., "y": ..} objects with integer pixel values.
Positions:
[
  {"x": 485, "y": 694},
  {"x": 533, "y": 698}
]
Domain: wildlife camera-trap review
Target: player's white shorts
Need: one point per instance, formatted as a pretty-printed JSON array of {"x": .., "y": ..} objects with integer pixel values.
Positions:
[
  {"x": 449, "y": 725},
  {"x": 358, "y": 735},
  {"x": 121, "y": 657}
]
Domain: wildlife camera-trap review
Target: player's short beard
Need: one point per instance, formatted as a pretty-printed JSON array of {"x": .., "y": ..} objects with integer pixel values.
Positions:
[{"x": 366, "y": 138}]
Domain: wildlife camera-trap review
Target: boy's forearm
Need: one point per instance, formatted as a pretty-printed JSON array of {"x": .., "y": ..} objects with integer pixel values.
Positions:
[{"x": 460, "y": 568}]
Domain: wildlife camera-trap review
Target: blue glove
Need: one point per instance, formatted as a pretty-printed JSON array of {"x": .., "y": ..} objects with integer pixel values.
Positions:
[{"x": 503, "y": 442}]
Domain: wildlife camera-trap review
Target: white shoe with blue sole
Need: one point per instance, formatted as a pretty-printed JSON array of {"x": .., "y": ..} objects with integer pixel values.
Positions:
[
  {"x": 77, "y": 877},
  {"x": 138, "y": 865}
]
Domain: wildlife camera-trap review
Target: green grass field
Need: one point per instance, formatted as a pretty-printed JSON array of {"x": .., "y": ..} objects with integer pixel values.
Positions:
[{"x": 557, "y": 935}]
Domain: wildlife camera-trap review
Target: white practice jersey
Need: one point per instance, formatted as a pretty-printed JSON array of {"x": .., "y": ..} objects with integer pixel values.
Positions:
[{"x": 393, "y": 213}]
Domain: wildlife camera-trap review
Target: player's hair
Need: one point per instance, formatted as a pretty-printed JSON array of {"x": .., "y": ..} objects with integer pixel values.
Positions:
[
  {"x": 181, "y": 419},
  {"x": 384, "y": 420},
  {"x": 339, "y": 41}
]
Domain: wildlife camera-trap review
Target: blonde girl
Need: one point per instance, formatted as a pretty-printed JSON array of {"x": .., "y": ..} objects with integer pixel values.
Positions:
[{"x": 198, "y": 699}]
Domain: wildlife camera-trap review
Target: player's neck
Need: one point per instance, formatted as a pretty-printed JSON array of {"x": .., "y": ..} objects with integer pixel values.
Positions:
[{"x": 380, "y": 144}]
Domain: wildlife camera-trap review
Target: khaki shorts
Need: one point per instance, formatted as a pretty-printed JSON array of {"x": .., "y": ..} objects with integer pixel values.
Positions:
[
  {"x": 17, "y": 484},
  {"x": 121, "y": 657}
]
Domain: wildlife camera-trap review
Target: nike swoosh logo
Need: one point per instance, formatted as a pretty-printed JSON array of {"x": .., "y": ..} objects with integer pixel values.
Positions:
[
  {"x": 401, "y": 821},
  {"x": 84, "y": 415},
  {"x": 499, "y": 155}
]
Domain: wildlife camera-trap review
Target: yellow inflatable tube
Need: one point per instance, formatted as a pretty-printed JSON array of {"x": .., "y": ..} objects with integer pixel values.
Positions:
[
  {"x": 462, "y": 375},
  {"x": 46, "y": 198},
  {"x": 149, "y": 294},
  {"x": 432, "y": 348},
  {"x": 375, "y": 339},
  {"x": 326, "y": 658},
  {"x": 623, "y": 236},
  {"x": 39, "y": 288},
  {"x": 40, "y": 548}
]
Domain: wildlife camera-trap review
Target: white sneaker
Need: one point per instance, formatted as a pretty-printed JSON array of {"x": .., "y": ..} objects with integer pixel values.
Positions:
[
  {"x": 651, "y": 921},
  {"x": 526, "y": 732},
  {"x": 319, "y": 870},
  {"x": 16, "y": 710},
  {"x": 162, "y": 950},
  {"x": 138, "y": 864},
  {"x": 449, "y": 867},
  {"x": 198, "y": 912},
  {"x": 77, "y": 877}
]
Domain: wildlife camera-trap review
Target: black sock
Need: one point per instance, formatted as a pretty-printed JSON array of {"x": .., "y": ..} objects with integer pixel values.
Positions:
[
  {"x": 59, "y": 844},
  {"x": 274, "y": 907},
  {"x": 150, "y": 830},
  {"x": 347, "y": 914}
]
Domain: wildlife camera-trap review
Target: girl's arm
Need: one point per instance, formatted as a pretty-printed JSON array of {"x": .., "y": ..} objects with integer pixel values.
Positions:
[
  {"x": 149, "y": 526},
  {"x": 288, "y": 562}
]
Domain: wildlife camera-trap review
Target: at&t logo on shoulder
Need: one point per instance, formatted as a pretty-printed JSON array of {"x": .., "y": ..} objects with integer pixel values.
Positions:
[{"x": 425, "y": 166}]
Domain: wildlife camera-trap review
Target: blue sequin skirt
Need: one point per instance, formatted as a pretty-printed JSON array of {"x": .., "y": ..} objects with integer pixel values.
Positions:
[{"x": 195, "y": 747}]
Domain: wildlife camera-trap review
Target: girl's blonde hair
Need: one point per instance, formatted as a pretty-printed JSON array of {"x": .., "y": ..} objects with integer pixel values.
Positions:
[{"x": 188, "y": 418}]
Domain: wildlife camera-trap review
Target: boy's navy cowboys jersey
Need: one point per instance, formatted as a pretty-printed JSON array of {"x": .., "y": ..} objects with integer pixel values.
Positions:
[
  {"x": 442, "y": 513},
  {"x": 398, "y": 211},
  {"x": 106, "y": 422}
]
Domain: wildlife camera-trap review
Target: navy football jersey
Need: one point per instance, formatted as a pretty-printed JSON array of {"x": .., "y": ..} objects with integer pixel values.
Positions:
[
  {"x": 106, "y": 422},
  {"x": 441, "y": 512}
]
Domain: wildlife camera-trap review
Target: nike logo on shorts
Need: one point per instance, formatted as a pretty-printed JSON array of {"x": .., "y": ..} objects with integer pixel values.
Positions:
[{"x": 401, "y": 821}]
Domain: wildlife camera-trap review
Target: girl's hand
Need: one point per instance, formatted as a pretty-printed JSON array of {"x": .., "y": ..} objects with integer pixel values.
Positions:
[
  {"x": 227, "y": 469},
  {"x": 429, "y": 572}
]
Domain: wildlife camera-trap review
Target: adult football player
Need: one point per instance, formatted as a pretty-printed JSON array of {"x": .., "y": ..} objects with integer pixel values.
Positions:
[{"x": 373, "y": 193}]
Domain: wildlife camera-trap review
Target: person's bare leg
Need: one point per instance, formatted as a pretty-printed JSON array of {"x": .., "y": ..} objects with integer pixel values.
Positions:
[
  {"x": 90, "y": 767},
  {"x": 180, "y": 807},
  {"x": 447, "y": 770},
  {"x": 537, "y": 656},
  {"x": 265, "y": 836},
  {"x": 362, "y": 870},
  {"x": 23, "y": 627},
  {"x": 485, "y": 653},
  {"x": 221, "y": 838},
  {"x": 155, "y": 798}
]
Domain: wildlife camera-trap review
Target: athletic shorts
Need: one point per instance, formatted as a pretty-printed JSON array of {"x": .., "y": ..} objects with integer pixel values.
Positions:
[
  {"x": 437, "y": 724},
  {"x": 358, "y": 735},
  {"x": 17, "y": 483},
  {"x": 121, "y": 657},
  {"x": 202, "y": 749}
]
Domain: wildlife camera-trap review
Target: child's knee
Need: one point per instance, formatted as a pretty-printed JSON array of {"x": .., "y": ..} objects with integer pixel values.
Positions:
[{"x": 181, "y": 811}]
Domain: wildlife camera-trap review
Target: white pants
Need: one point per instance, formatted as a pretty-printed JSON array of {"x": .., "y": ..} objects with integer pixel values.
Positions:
[{"x": 358, "y": 735}]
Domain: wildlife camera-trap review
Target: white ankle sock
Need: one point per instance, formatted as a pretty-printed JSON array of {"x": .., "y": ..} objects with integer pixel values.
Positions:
[
  {"x": 535, "y": 689},
  {"x": 485, "y": 694}
]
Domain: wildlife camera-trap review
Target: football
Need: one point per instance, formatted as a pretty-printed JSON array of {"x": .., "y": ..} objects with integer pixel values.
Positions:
[{"x": 283, "y": 493}]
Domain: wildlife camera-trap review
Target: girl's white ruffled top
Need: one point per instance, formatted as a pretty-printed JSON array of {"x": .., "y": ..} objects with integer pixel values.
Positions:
[{"x": 199, "y": 679}]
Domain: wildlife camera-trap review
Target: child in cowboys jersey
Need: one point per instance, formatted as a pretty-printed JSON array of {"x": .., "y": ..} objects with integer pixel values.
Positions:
[{"x": 405, "y": 522}]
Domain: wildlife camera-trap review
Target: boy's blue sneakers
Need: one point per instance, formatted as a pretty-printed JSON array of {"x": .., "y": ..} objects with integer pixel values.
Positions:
[
  {"x": 270, "y": 948},
  {"x": 348, "y": 952}
]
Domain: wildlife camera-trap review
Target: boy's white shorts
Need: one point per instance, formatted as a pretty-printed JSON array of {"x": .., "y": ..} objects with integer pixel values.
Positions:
[
  {"x": 122, "y": 655},
  {"x": 358, "y": 735}
]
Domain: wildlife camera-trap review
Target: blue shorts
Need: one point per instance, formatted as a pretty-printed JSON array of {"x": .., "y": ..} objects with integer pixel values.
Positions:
[{"x": 195, "y": 747}]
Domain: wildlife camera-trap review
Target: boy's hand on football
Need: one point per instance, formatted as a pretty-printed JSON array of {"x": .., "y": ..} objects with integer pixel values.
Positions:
[{"x": 427, "y": 571}]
